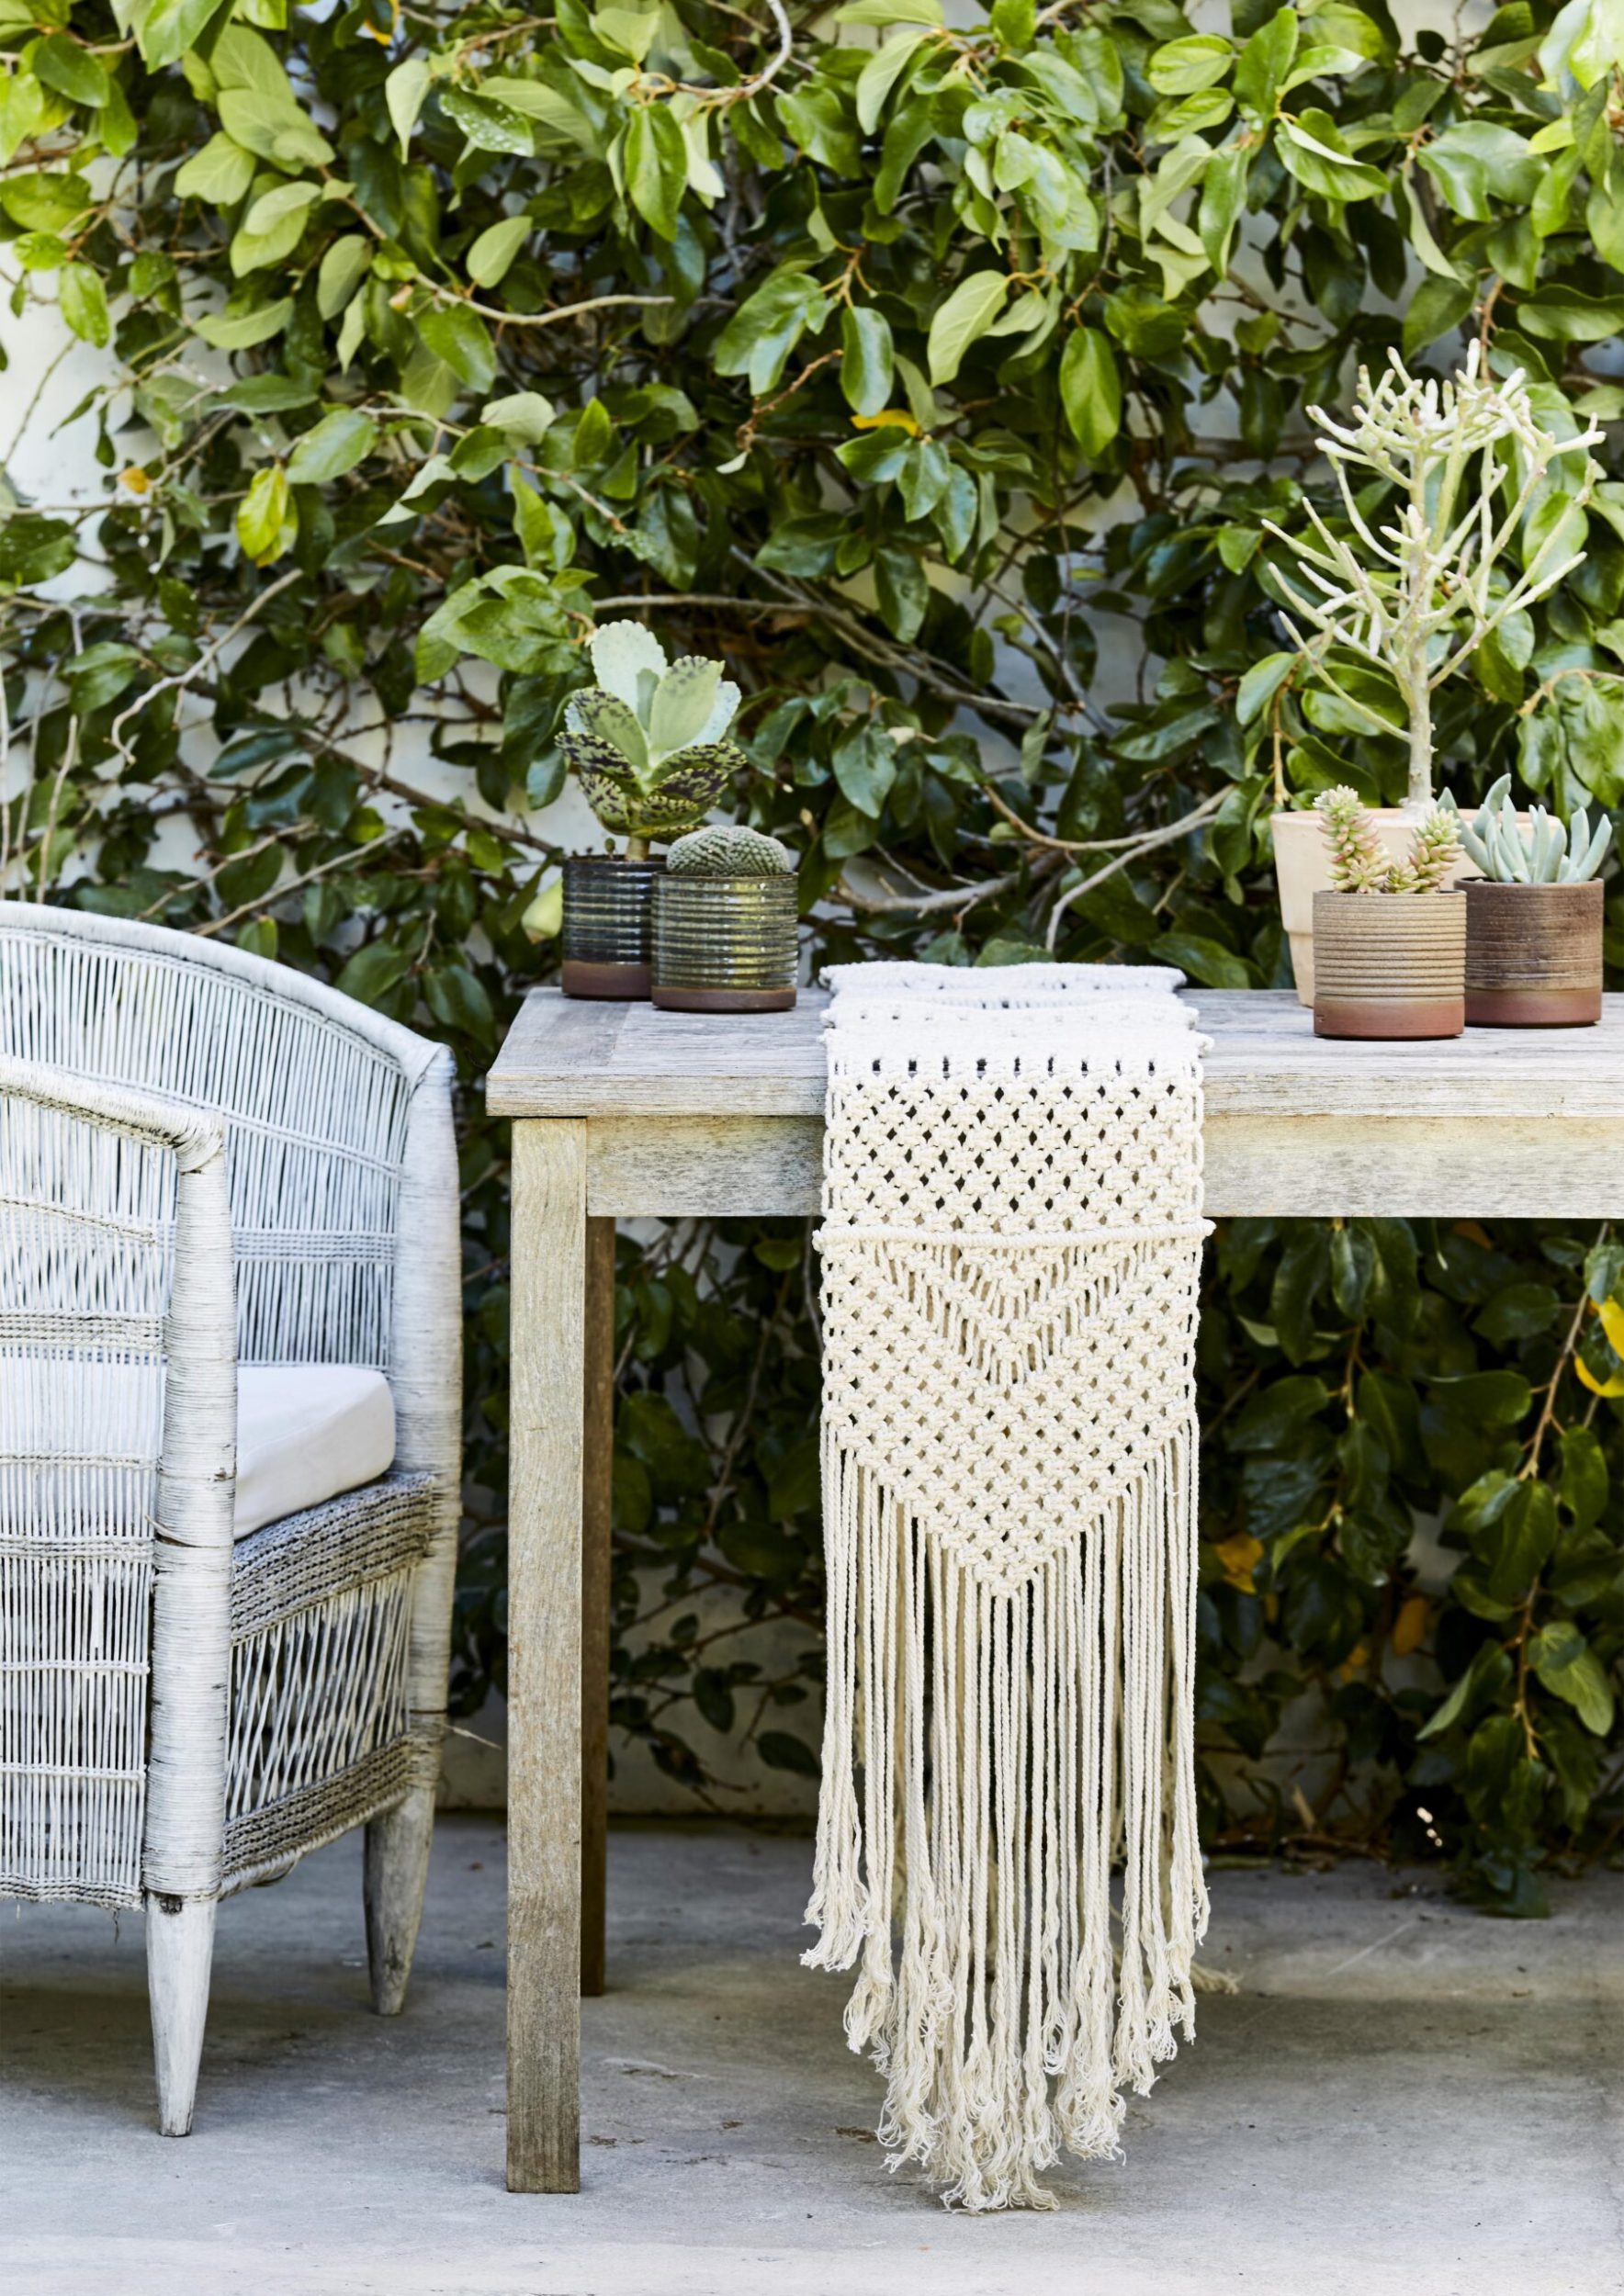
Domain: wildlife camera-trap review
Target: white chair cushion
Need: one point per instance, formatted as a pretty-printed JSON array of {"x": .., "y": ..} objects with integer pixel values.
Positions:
[{"x": 305, "y": 1431}]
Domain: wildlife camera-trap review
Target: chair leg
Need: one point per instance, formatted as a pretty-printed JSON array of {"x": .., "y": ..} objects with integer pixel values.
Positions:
[
  {"x": 180, "y": 1949},
  {"x": 398, "y": 1846}
]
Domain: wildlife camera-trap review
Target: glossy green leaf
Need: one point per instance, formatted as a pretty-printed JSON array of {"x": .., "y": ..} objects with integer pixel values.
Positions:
[
  {"x": 655, "y": 168},
  {"x": 962, "y": 319},
  {"x": 336, "y": 445},
  {"x": 1090, "y": 389}
]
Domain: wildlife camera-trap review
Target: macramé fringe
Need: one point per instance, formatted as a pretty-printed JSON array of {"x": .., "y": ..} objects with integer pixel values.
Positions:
[{"x": 1010, "y": 1489}]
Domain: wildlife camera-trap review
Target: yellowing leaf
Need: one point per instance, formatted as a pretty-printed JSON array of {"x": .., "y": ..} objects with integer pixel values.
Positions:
[
  {"x": 1240, "y": 1554},
  {"x": 135, "y": 479},
  {"x": 1612, "y": 1321},
  {"x": 1409, "y": 1628},
  {"x": 897, "y": 418},
  {"x": 1614, "y": 1386}
]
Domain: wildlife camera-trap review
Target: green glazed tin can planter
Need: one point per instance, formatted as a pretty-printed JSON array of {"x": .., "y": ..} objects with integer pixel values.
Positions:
[
  {"x": 608, "y": 908},
  {"x": 725, "y": 944},
  {"x": 1534, "y": 956},
  {"x": 1389, "y": 965}
]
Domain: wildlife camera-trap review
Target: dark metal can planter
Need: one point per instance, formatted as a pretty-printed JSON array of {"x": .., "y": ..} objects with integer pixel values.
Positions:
[
  {"x": 1389, "y": 965},
  {"x": 608, "y": 907},
  {"x": 725, "y": 944},
  {"x": 1533, "y": 955}
]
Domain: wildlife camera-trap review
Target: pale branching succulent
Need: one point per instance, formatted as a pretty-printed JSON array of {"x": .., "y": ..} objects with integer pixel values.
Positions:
[
  {"x": 646, "y": 741},
  {"x": 1357, "y": 861},
  {"x": 1432, "y": 854},
  {"x": 726, "y": 850},
  {"x": 1539, "y": 854},
  {"x": 1421, "y": 593}
]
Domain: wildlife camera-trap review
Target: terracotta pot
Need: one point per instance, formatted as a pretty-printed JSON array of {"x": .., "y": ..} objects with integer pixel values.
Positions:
[
  {"x": 1302, "y": 868},
  {"x": 608, "y": 905},
  {"x": 1389, "y": 964},
  {"x": 725, "y": 944},
  {"x": 1533, "y": 955}
]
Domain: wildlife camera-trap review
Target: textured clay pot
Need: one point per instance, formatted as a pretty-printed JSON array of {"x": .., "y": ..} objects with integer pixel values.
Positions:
[
  {"x": 1302, "y": 868},
  {"x": 1533, "y": 955},
  {"x": 1389, "y": 964},
  {"x": 725, "y": 944},
  {"x": 608, "y": 908}
]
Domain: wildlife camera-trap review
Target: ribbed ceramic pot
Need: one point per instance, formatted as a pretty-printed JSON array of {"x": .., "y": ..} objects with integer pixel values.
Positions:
[
  {"x": 1533, "y": 955},
  {"x": 725, "y": 944},
  {"x": 1303, "y": 872},
  {"x": 608, "y": 913},
  {"x": 1389, "y": 964}
]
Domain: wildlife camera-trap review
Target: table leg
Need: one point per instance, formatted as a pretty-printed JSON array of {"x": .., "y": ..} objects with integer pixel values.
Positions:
[
  {"x": 550, "y": 1231},
  {"x": 597, "y": 1508}
]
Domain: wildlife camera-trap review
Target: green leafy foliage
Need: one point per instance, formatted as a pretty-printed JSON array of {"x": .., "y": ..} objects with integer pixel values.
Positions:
[{"x": 892, "y": 370}]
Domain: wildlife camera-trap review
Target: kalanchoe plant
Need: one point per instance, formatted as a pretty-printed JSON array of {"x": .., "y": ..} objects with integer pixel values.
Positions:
[
  {"x": 1539, "y": 854},
  {"x": 1469, "y": 461},
  {"x": 728, "y": 851},
  {"x": 646, "y": 741},
  {"x": 1358, "y": 864}
]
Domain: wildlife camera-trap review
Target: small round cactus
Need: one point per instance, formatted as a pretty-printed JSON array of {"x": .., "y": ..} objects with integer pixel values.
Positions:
[{"x": 728, "y": 852}]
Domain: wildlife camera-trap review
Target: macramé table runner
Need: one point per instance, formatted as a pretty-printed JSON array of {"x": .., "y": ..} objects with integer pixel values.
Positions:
[{"x": 1011, "y": 1250}]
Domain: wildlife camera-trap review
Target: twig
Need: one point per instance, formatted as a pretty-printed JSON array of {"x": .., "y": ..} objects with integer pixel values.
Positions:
[
  {"x": 541, "y": 318},
  {"x": 715, "y": 97},
  {"x": 211, "y": 653},
  {"x": 955, "y": 897},
  {"x": 1166, "y": 835},
  {"x": 279, "y": 892}
]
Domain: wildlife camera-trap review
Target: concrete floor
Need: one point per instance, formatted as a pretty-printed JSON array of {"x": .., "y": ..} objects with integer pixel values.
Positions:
[{"x": 1404, "y": 2097}]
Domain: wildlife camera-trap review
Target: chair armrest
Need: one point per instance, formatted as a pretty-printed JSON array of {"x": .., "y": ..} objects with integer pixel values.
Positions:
[
  {"x": 197, "y": 1469},
  {"x": 425, "y": 1368}
]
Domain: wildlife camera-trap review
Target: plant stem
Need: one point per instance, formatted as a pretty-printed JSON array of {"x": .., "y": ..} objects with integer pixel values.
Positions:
[{"x": 1418, "y": 796}]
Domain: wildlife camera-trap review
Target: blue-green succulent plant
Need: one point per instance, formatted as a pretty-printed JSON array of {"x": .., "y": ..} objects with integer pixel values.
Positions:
[{"x": 1540, "y": 852}]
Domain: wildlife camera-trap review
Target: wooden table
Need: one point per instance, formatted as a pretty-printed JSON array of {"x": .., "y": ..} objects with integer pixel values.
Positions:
[{"x": 622, "y": 1110}]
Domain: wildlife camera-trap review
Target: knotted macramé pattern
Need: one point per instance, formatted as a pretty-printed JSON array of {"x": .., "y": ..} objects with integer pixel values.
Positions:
[{"x": 1011, "y": 1248}]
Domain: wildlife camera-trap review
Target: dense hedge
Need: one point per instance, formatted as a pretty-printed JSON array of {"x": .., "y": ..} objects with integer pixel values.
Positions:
[{"x": 920, "y": 372}]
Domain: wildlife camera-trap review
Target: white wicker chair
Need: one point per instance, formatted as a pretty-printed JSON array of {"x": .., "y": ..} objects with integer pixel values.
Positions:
[{"x": 206, "y": 1158}]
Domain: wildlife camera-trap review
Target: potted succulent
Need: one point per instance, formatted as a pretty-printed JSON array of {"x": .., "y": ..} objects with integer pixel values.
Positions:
[
  {"x": 1390, "y": 940},
  {"x": 1534, "y": 919},
  {"x": 1469, "y": 463},
  {"x": 725, "y": 924},
  {"x": 646, "y": 743}
]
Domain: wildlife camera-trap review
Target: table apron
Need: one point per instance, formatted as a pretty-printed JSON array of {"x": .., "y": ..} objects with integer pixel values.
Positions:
[{"x": 1312, "y": 1166}]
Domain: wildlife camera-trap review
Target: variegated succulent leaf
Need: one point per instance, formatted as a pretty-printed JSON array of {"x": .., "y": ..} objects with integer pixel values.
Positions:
[
  {"x": 684, "y": 704},
  {"x": 677, "y": 794},
  {"x": 608, "y": 718},
  {"x": 665, "y": 813},
  {"x": 630, "y": 662},
  {"x": 703, "y": 765},
  {"x": 607, "y": 782}
]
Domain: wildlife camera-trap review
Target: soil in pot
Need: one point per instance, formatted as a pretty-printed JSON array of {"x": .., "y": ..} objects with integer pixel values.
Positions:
[
  {"x": 1302, "y": 869},
  {"x": 1389, "y": 965},
  {"x": 1533, "y": 955},
  {"x": 725, "y": 944},
  {"x": 608, "y": 910}
]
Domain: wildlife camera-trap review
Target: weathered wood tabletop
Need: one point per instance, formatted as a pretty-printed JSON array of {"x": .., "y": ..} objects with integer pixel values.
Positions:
[
  {"x": 622, "y": 1110},
  {"x": 713, "y": 1113}
]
